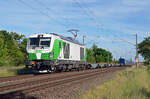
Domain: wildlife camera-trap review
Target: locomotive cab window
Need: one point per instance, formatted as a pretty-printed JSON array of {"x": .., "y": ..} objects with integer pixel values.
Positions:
[
  {"x": 34, "y": 42},
  {"x": 45, "y": 43}
]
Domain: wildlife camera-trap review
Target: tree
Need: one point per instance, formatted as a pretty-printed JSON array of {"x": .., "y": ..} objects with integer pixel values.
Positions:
[
  {"x": 90, "y": 56},
  {"x": 12, "y": 48},
  {"x": 144, "y": 49},
  {"x": 97, "y": 55},
  {"x": 3, "y": 49}
]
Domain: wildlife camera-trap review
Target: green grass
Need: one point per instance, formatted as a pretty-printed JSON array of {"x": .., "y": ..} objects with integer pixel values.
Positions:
[
  {"x": 130, "y": 84},
  {"x": 6, "y": 71}
]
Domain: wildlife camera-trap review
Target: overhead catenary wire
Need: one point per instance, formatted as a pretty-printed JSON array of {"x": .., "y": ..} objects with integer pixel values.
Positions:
[
  {"x": 124, "y": 40},
  {"x": 51, "y": 10},
  {"x": 41, "y": 12},
  {"x": 91, "y": 16}
]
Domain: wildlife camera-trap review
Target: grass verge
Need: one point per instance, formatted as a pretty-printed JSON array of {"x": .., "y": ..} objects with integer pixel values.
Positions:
[
  {"x": 130, "y": 84},
  {"x": 6, "y": 71}
]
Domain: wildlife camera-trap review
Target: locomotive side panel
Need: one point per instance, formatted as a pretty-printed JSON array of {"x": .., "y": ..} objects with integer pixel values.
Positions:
[{"x": 72, "y": 51}]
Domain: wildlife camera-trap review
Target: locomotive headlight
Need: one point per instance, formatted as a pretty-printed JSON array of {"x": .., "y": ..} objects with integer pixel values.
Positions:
[
  {"x": 33, "y": 62},
  {"x": 51, "y": 55}
]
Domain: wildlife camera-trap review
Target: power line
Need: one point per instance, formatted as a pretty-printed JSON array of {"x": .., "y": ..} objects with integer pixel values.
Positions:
[
  {"x": 26, "y": 4},
  {"x": 77, "y": 3},
  {"x": 92, "y": 15},
  {"x": 50, "y": 10},
  {"x": 86, "y": 12},
  {"x": 124, "y": 40}
]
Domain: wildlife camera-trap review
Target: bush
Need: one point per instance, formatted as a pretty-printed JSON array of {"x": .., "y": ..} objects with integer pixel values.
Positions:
[{"x": 146, "y": 63}]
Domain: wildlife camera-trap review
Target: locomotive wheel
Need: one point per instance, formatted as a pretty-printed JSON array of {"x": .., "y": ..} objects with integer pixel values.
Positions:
[
  {"x": 59, "y": 70},
  {"x": 49, "y": 71},
  {"x": 27, "y": 66},
  {"x": 78, "y": 69},
  {"x": 53, "y": 69},
  {"x": 70, "y": 69}
]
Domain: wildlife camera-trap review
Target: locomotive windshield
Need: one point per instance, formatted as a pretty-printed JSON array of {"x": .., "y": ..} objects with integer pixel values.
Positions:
[
  {"x": 43, "y": 42},
  {"x": 34, "y": 41}
]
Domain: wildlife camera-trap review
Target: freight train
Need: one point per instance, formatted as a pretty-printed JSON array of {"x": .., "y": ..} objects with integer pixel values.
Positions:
[{"x": 52, "y": 52}]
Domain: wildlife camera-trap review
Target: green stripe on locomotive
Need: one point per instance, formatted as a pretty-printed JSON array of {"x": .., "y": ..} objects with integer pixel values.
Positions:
[
  {"x": 46, "y": 56},
  {"x": 85, "y": 57}
]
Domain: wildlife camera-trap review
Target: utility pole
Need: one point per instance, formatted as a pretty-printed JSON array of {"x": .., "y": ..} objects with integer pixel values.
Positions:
[
  {"x": 83, "y": 40},
  {"x": 137, "y": 57},
  {"x": 108, "y": 59},
  {"x": 131, "y": 60}
]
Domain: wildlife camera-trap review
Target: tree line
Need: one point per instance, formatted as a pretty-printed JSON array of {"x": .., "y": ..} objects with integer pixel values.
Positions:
[{"x": 98, "y": 55}]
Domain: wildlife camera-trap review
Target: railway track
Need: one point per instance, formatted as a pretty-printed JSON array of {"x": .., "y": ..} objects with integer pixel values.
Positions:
[
  {"x": 30, "y": 77},
  {"x": 24, "y": 78},
  {"x": 44, "y": 82}
]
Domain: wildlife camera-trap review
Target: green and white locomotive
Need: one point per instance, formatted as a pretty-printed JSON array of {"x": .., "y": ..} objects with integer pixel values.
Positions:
[{"x": 52, "y": 52}]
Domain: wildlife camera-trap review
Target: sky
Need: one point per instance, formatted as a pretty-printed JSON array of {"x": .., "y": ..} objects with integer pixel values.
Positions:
[{"x": 110, "y": 24}]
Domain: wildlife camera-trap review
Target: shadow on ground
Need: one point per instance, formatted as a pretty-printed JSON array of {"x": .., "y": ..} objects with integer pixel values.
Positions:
[
  {"x": 25, "y": 71},
  {"x": 16, "y": 95}
]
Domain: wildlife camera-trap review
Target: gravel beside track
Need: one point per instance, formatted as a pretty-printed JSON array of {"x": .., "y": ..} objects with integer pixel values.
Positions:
[{"x": 66, "y": 85}]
